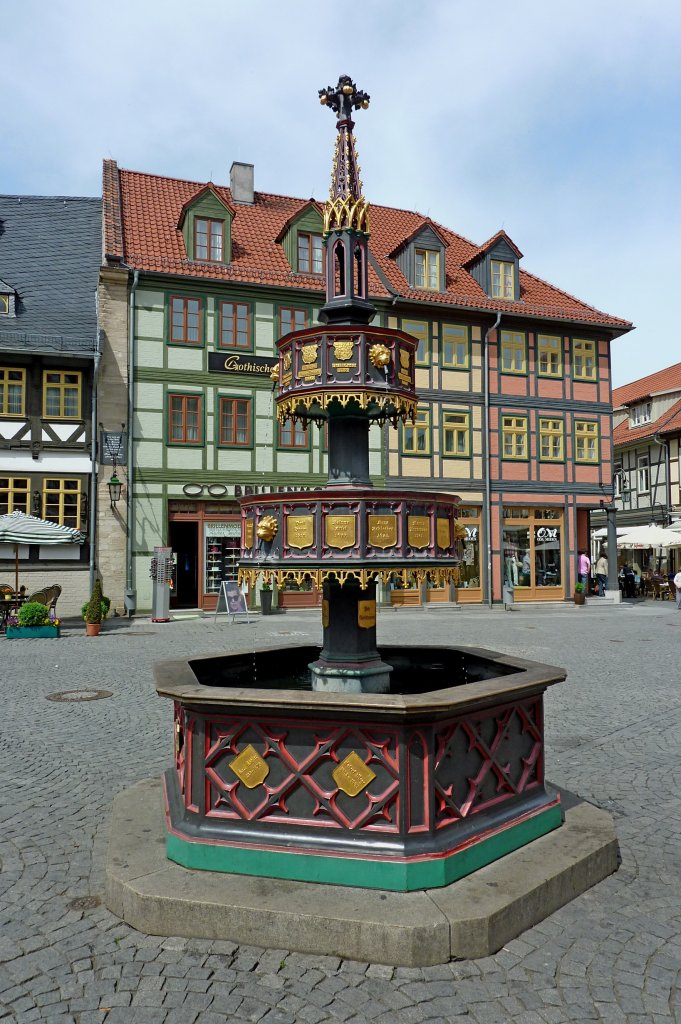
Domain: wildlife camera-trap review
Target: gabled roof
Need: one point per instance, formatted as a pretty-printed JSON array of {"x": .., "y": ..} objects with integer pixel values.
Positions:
[
  {"x": 150, "y": 241},
  {"x": 50, "y": 254},
  {"x": 6, "y": 289},
  {"x": 489, "y": 244},
  {"x": 311, "y": 204},
  {"x": 668, "y": 423},
  {"x": 660, "y": 382},
  {"x": 208, "y": 189},
  {"x": 425, "y": 223}
]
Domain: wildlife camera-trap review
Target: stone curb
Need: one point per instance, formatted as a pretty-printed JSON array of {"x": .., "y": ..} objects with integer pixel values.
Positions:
[{"x": 472, "y": 918}]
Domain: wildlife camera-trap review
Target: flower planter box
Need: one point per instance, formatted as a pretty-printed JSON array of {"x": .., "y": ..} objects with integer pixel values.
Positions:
[{"x": 30, "y": 632}]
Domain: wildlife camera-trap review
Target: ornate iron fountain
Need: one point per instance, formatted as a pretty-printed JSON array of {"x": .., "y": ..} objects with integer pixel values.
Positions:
[{"x": 397, "y": 768}]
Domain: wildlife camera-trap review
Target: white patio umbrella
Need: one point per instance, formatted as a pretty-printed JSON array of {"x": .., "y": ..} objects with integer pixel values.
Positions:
[
  {"x": 649, "y": 537},
  {"x": 18, "y": 528}
]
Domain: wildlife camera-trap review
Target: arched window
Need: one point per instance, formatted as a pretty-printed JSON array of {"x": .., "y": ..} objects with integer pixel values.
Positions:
[
  {"x": 359, "y": 271},
  {"x": 339, "y": 268}
]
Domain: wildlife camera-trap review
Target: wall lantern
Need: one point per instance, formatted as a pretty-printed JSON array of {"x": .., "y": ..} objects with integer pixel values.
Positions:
[{"x": 115, "y": 487}]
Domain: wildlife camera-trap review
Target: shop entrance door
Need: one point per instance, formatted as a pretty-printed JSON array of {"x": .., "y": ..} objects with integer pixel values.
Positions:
[{"x": 184, "y": 540}]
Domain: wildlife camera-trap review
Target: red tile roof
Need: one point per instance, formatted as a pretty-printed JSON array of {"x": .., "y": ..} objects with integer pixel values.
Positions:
[
  {"x": 668, "y": 423},
  {"x": 668, "y": 379},
  {"x": 148, "y": 239}
]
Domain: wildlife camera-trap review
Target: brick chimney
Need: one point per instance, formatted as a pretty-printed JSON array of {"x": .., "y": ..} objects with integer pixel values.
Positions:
[{"x": 241, "y": 182}]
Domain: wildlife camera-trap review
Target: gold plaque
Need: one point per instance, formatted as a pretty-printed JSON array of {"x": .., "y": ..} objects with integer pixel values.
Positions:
[
  {"x": 444, "y": 536},
  {"x": 352, "y": 775},
  {"x": 340, "y": 531},
  {"x": 287, "y": 360},
  {"x": 366, "y": 614},
  {"x": 325, "y": 614},
  {"x": 248, "y": 533},
  {"x": 342, "y": 349},
  {"x": 382, "y": 531},
  {"x": 309, "y": 352},
  {"x": 249, "y": 767},
  {"x": 300, "y": 531},
  {"x": 418, "y": 531},
  {"x": 404, "y": 358}
]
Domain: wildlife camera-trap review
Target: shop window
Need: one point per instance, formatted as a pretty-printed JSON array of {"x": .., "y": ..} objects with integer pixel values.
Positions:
[
  {"x": 416, "y": 436},
  {"x": 551, "y": 434},
  {"x": 291, "y": 319},
  {"x": 185, "y": 321},
  {"x": 455, "y": 434},
  {"x": 15, "y": 495},
  {"x": 12, "y": 391},
  {"x": 549, "y": 353},
  {"x": 514, "y": 437},
  {"x": 427, "y": 269},
  {"x": 469, "y": 568},
  {"x": 293, "y": 435},
  {"x": 61, "y": 395},
  {"x": 455, "y": 347},
  {"x": 503, "y": 279},
  {"x": 532, "y": 550},
  {"x": 209, "y": 240},
  {"x": 513, "y": 352},
  {"x": 310, "y": 253},
  {"x": 643, "y": 472},
  {"x": 586, "y": 441},
  {"x": 235, "y": 325},
  {"x": 235, "y": 423},
  {"x": 185, "y": 419},
  {"x": 420, "y": 330},
  {"x": 584, "y": 360},
  {"x": 221, "y": 554},
  {"x": 61, "y": 502}
]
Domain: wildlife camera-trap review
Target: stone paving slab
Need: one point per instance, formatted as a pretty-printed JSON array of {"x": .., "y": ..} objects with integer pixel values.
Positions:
[{"x": 473, "y": 917}]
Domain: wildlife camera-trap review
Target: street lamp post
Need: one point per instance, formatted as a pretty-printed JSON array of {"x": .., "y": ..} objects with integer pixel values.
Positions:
[{"x": 610, "y": 509}]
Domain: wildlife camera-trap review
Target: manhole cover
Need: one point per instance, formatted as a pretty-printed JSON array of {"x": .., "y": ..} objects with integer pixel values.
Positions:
[
  {"x": 67, "y": 696},
  {"x": 84, "y": 903}
]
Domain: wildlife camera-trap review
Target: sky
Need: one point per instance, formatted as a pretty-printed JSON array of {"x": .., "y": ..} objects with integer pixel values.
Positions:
[{"x": 558, "y": 122}]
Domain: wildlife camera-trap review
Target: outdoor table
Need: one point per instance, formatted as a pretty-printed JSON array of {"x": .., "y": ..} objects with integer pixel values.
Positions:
[{"x": 7, "y": 606}]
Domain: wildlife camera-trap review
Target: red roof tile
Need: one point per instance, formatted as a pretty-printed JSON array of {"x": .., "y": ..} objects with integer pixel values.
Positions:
[
  {"x": 668, "y": 379},
  {"x": 151, "y": 206},
  {"x": 486, "y": 246},
  {"x": 668, "y": 423}
]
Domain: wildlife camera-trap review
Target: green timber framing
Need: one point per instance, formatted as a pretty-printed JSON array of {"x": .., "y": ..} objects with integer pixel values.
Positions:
[{"x": 167, "y": 473}]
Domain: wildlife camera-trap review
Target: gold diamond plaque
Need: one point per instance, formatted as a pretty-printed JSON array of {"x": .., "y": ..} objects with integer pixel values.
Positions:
[
  {"x": 444, "y": 535},
  {"x": 366, "y": 614},
  {"x": 340, "y": 531},
  {"x": 382, "y": 531},
  {"x": 300, "y": 531},
  {"x": 418, "y": 531},
  {"x": 248, "y": 533},
  {"x": 352, "y": 775},
  {"x": 249, "y": 767}
]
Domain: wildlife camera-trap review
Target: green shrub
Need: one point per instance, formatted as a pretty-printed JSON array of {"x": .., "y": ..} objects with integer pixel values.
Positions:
[
  {"x": 579, "y": 588},
  {"x": 93, "y": 611},
  {"x": 34, "y": 614},
  {"x": 106, "y": 605}
]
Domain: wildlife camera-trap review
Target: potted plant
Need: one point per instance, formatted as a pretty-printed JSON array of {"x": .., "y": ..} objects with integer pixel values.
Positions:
[
  {"x": 93, "y": 611},
  {"x": 579, "y": 596},
  {"x": 33, "y": 620},
  {"x": 266, "y": 598},
  {"x": 106, "y": 605}
]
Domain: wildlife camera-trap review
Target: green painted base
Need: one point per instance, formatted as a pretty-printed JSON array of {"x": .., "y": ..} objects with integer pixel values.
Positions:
[
  {"x": 27, "y": 632},
  {"x": 393, "y": 875}
]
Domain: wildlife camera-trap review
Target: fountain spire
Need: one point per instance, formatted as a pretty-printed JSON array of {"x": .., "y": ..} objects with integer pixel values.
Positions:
[{"x": 346, "y": 215}]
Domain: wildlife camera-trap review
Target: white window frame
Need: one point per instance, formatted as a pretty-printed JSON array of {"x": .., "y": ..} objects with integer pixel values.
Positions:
[{"x": 643, "y": 474}]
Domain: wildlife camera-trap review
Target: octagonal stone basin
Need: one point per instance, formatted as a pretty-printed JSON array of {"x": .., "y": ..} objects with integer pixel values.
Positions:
[{"x": 406, "y": 790}]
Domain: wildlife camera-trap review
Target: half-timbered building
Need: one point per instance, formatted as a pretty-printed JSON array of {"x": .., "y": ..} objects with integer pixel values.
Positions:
[
  {"x": 513, "y": 377},
  {"x": 50, "y": 252}
]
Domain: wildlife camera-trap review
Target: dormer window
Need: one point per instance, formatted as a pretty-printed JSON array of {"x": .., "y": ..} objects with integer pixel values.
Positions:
[
  {"x": 503, "y": 279},
  {"x": 640, "y": 414},
  {"x": 427, "y": 269},
  {"x": 310, "y": 253},
  {"x": 7, "y": 300},
  {"x": 209, "y": 238},
  {"x": 4, "y": 304}
]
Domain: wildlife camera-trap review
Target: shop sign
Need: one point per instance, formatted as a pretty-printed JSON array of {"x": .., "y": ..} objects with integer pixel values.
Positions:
[
  {"x": 238, "y": 362},
  {"x": 222, "y": 529},
  {"x": 546, "y": 534},
  {"x": 196, "y": 490},
  {"x": 471, "y": 533}
]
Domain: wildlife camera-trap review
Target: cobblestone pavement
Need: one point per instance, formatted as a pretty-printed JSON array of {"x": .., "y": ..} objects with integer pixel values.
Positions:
[{"x": 613, "y": 735}]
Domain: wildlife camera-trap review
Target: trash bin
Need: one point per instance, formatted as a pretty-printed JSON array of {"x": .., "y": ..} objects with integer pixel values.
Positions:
[{"x": 508, "y": 595}]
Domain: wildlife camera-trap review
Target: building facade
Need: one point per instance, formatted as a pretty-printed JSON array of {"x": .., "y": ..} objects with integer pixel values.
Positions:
[
  {"x": 647, "y": 440},
  {"x": 50, "y": 252},
  {"x": 513, "y": 378}
]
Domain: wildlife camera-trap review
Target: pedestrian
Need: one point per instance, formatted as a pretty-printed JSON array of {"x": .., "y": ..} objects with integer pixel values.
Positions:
[
  {"x": 584, "y": 567},
  {"x": 602, "y": 573},
  {"x": 677, "y": 584}
]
